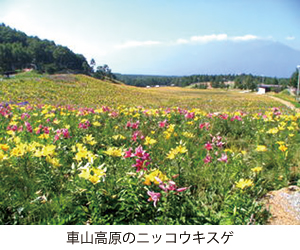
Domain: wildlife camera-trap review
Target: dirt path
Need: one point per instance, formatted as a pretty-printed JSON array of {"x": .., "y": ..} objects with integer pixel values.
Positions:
[
  {"x": 284, "y": 204},
  {"x": 286, "y": 103}
]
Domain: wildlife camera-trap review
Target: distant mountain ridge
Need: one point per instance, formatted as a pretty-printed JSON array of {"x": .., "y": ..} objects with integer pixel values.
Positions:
[{"x": 258, "y": 57}]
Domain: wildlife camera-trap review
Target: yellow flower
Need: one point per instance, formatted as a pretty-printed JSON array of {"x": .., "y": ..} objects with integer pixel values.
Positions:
[
  {"x": 228, "y": 150},
  {"x": 94, "y": 175},
  {"x": 4, "y": 147},
  {"x": 85, "y": 173},
  {"x": 44, "y": 136},
  {"x": 48, "y": 150},
  {"x": 280, "y": 178},
  {"x": 282, "y": 148},
  {"x": 178, "y": 150},
  {"x": 99, "y": 171},
  {"x": 171, "y": 128},
  {"x": 181, "y": 149},
  {"x": 172, "y": 153},
  {"x": 115, "y": 152},
  {"x": 96, "y": 124},
  {"x": 89, "y": 139},
  {"x": 2, "y": 156},
  {"x": 94, "y": 179},
  {"x": 280, "y": 142},
  {"x": 19, "y": 150},
  {"x": 188, "y": 135},
  {"x": 53, "y": 161},
  {"x": 118, "y": 137},
  {"x": 17, "y": 140},
  {"x": 261, "y": 148},
  {"x": 273, "y": 131},
  {"x": 244, "y": 183},
  {"x": 151, "y": 177},
  {"x": 256, "y": 169},
  {"x": 167, "y": 135},
  {"x": 149, "y": 141},
  {"x": 10, "y": 132}
]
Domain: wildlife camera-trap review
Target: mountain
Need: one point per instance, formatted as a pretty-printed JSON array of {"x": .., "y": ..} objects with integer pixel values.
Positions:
[{"x": 259, "y": 57}]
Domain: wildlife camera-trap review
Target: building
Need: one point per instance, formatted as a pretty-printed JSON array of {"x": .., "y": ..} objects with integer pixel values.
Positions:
[{"x": 264, "y": 88}]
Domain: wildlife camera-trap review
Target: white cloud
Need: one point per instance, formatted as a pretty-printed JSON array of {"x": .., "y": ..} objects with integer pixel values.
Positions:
[
  {"x": 131, "y": 44},
  {"x": 209, "y": 38},
  {"x": 290, "y": 38},
  {"x": 244, "y": 38},
  {"x": 182, "y": 41},
  {"x": 215, "y": 37},
  {"x": 191, "y": 40}
]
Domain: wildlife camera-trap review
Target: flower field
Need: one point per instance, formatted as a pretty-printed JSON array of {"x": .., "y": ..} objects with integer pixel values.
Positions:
[{"x": 95, "y": 163}]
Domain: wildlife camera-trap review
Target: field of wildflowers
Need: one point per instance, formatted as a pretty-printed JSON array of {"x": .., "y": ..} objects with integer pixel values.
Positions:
[{"x": 128, "y": 164}]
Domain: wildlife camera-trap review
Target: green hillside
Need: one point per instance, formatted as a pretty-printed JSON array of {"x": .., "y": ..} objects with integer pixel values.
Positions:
[{"x": 82, "y": 90}]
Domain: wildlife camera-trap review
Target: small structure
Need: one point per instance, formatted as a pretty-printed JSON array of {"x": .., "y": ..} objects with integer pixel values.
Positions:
[
  {"x": 9, "y": 73},
  {"x": 264, "y": 88}
]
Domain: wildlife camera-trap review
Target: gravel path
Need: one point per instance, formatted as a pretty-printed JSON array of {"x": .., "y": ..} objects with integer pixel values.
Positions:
[{"x": 284, "y": 205}]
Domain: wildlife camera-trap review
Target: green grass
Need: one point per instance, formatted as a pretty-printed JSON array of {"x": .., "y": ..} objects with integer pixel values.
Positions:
[{"x": 81, "y": 90}]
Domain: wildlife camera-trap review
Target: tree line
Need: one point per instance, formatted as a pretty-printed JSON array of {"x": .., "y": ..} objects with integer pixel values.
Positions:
[
  {"x": 19, "y": 51},
  {"x": 241, "y": 81}
]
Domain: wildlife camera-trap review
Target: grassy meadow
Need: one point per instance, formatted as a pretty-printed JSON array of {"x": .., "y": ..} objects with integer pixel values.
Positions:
[{"x": 76, "y": 150}]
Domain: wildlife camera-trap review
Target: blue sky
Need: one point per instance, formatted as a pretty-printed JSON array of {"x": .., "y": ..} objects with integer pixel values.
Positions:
[{"x": 115, "y": 31}]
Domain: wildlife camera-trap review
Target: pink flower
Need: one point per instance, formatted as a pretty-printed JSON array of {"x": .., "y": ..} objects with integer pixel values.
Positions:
[
  {"x": 223, "y": 158},
  {"x": 170, "y": 186},
  {"x": 207, "y": 159},
  {"x": 220, "y": 144},
  {"x": 154, "y": 197},
  {"x": 223, "y": 116},
  {"x": 162, "y": 124},
  {"x": 65, "y": 133},
  {"x": 208, "y": 146},
  {"x": 84, "y": 125},
  {"x": 236, "y": 117},
  {"x": 204, "y": 125},
  {"x": 181, "y": 189},
  {"x": 25, "y": 115},
  {"x": 143, "y": 158},
  {"x": 46, "y": 130},
  {"x": 128, "y": 153},
  {"x": 28, "y": 127},
  {"x": 190, "y": 115},
  {"x": 114, "y": 114},
  {"x": 135, "y": 125},
  {"x": 105, "y": 109}
]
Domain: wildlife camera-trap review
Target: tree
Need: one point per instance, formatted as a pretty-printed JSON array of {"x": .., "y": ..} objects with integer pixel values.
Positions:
[
  {"x": 294, "y": 79},
  {"x": 103, "y": 72},
  {"x": 93, "y": 64}
]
